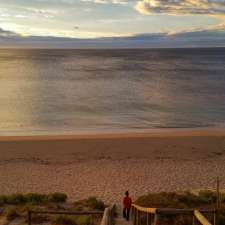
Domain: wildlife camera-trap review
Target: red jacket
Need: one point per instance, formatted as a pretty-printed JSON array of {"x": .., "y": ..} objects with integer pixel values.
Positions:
[{"x": 127, "y": 202}]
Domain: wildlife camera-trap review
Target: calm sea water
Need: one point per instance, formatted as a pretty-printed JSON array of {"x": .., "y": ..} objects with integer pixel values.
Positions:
[{"x": 74, "y": 91}]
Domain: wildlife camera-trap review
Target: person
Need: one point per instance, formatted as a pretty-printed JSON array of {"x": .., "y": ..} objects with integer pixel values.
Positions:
[{"x": 127, "y": 202}]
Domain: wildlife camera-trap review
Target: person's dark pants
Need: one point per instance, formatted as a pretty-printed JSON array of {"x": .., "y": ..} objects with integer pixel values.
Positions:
[{"x": 126, "y": 213}]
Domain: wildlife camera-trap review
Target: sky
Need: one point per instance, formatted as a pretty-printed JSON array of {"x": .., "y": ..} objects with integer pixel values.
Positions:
[{"x": 91, "y": 19}]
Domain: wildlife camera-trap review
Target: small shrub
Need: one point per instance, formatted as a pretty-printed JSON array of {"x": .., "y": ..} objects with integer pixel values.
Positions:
[
  {"x": 208, "y": 197},
  {"x": 38, "y": 219},
  {"x": 178, "y": 200},
  {"x": 56, "y": 206},
  {"x": 83, "y": 220},
  {"x": 78, "y": 208},
  {"x": 189, "y": 199},
  {"x": 22, "y": 210},
  {"x": 222, "y": 197},
  {"x": 11, "y": 214},
  {"x": 34, "y": 198},
  {"x": 94, "y": 203},
  {"x": 2, "y": 199},
  {"x": 221, "y": 220},
  {"x": 161, "y": 200},
  {"x": 15, "y": 199},
  {"x": 182, "y": 220},
  {"x": 204, "y": 199},
  {"x": 57, "y": 197},
  {"x": 64, "y": 220},
  {"x": 81, "y": 205}
]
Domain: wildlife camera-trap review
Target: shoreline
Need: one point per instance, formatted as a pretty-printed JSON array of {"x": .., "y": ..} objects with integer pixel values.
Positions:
[{"x": 165, "y": 132}]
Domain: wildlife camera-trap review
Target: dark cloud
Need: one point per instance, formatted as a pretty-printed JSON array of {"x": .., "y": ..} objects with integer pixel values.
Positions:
[{"x": 6, "y": 33}]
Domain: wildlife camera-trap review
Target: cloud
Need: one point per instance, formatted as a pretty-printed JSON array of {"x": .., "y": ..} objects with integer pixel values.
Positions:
[
  {"x": 6, "y": 33},
  {"x": 121, "y": 2},
  {"x": 212, "y": 37},
  {"x": 213, "y": 29},
  {"x": 47, "y": 13},
  {"x": 181, "y": 7}
]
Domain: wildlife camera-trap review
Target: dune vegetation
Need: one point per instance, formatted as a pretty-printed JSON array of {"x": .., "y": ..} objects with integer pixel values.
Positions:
[
  {"x": 204, "y": 199},
  {"x": 15, "y": 207}
]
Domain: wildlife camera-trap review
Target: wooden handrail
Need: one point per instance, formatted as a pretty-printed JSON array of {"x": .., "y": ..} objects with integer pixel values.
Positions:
[
  {"x": 170, "y": 211},
  {"x": 107, "y": 219},
  {"x": 66, "y": 212},
  {"x": 201, "y": 218},
  {"x": 144, "y": 209},
  {"x": 91, "y": 213}
]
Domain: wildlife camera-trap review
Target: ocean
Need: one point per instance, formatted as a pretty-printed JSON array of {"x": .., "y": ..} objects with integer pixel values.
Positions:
[{"x": 105, "y": 90}]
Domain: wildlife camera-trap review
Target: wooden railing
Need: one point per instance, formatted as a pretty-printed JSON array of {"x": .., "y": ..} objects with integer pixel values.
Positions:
[
  {"x": 152, "y": 215},
  {"x": 90, "y": 213},
  {"x": 202, "y": 219},
  {"x": 109, "y": 216}
]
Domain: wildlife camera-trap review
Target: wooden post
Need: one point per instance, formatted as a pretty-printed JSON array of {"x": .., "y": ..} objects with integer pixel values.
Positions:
[
  {"x": 108, "y": 216},
  {"x": 138, "y": 217},
  {"x": 214, "y": 218},
  {"x": 29, "y": 217},
  {"x": 147, "y": 219},
  {"x": 218, "y": 193},
  {"x": 135, "y": 216},
  {"x": 193, "y": 220},
  {"x": 156, "y": 219},
  {"x": 133, "y": 212}
]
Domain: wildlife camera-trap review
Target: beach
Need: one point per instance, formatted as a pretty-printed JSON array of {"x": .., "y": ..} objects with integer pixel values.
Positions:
[{"x": 106, "y": 165}]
